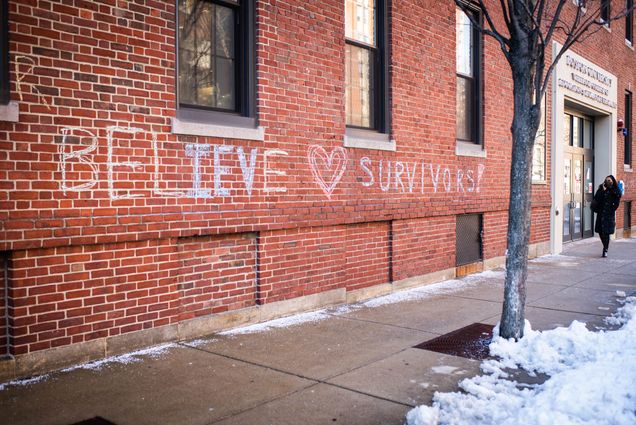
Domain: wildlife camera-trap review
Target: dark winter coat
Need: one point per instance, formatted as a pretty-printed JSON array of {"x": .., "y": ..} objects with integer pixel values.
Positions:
[{"x": 607, "y": 203}]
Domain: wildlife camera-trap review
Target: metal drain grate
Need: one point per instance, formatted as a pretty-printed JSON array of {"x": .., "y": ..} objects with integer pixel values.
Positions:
[
  {"x": 97, "y": 420},
  {"x": 470, "y": 342}
]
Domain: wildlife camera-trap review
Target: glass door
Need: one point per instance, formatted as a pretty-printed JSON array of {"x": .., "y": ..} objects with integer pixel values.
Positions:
[
  {"x": 588, "y": 222},
  {"x": 567, "y": 197},
  {"x": 578, "y": 176},
  {"x": 573, "y": 205}
]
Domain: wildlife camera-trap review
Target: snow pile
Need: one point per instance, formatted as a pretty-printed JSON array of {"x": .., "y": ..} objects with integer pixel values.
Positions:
[{"x": 592, "y": 380}]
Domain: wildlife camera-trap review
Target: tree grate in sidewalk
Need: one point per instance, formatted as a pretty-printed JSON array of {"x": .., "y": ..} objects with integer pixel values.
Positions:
[
  {"x": 470, "y": 342},
  {"x": 97, "y": 420}
]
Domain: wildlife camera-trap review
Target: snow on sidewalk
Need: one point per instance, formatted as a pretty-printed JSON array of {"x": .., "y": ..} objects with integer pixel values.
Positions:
[{"x": 592, "y": 380}]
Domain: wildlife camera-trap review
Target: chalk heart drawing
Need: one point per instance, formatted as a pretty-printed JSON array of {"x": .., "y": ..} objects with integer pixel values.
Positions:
[{"x": 327, "y": 168}]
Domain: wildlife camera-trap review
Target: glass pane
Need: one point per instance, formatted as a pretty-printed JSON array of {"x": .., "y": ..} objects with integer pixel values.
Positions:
[
  {"x": 578, "y": 182},
  {"x": 206, "y": 55},
  {"x": 464, "y": 111},
  {"x": 464, "y": 43},
  {"x": 359, "y": 91},
  {"x": 538, "y": 154},
  {"x": 224, "y": 32},
  {"x": 567, "y": 164},
  {"x": 566, "y": 129},
  {"x": 538, "y": 162},
  {"x": 195, "y": 73},
  {"x": 225, "y": 83},
  {"x": 576, "y": 132},
  {"x": 588, "y": 134},
  {"x": 360, "y": 21},
  {"x": 589, "y": 190}
]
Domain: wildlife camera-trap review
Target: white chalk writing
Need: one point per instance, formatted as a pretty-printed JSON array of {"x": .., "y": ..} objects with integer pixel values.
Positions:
[{"x": 327, "y": 169}]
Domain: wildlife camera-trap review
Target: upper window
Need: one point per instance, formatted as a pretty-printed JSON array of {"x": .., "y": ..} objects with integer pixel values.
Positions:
[
  {"x": 468, "y": 57},
  {"x": 605, "y": 13},
  {"x": 628, "y": 126},
  {"x": 216, "y": 56},
  {"x": 4, "y": 52},
  {"x": 629, "y": 22},
  {"x": 366, "y": 75}
]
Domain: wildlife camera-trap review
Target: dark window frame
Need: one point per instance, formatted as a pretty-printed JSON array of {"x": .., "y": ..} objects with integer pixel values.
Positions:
[
  {"x": 477, "y": 79},
  {"x": 5, "y": 96},
  {"x": 629, "y": 111},
  {"x": 605, "y": 14},
  {"x": 244, "y": 114},
  {"x": 381, "y": 102},
  {"x": 629, "y": 21}
]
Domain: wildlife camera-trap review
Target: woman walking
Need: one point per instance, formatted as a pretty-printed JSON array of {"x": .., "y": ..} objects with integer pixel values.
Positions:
[{"x": 605, "y": 203}]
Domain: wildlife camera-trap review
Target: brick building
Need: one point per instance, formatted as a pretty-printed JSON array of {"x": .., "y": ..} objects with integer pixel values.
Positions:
[{"x": 172, "y": 168}]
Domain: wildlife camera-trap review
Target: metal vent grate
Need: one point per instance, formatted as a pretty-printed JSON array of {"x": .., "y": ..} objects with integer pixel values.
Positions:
[
  {"x": 470, "y": 342},
  {"x": 468, "y": 239}
]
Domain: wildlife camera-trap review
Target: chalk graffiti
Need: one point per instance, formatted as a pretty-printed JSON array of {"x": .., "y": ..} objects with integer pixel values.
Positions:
[
  {"x": 198, "y": 152},
  {"x": 221, "y": 166},
  {"x": 67, "y": 154},
  {"x": 404, "y": 177},
  {"x": 327, "y": 169},
  {"x": 267, "y": 171},
  {"x": 20, "y": 75}
]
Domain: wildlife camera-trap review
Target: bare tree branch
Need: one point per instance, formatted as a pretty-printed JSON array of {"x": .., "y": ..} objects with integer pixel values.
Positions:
[{"x": 492, "y": 32}]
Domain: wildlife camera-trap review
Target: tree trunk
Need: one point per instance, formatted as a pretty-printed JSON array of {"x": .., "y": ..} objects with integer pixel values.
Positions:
[{"x": 524, "y": 128}]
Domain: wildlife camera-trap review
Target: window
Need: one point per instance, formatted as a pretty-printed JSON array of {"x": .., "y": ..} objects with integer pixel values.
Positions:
[
  {"x": 539, "y": 151},
  {"x": 216, "y": 61},
  {"x": 605, "y": 12},
  {"x": 366, "y": 69},
  {"x": 629, "y": 22},
  {"x": 578, "y": 131},
  {"x": 628, "y": 126},
  {"x": 468, "y": 56},
  {"x": 4, "y": 52}
]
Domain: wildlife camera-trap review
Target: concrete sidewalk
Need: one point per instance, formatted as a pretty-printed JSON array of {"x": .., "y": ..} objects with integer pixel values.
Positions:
[{"x": 349, "y": 365}]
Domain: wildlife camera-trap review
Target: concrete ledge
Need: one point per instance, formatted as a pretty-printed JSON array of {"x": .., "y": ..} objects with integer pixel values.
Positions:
[
  {"x": 7, "y": 369},
  {"x": 10, "y": 112},
  {"x": 206, "y": 325},
  {"x": 124, "y": 343},
  {"x": 213, "y": 130},
  {"x": 302, "y": 304},
  {"x": 538, "y": 249},
  {"x": 59, "y": 357},
  {"x": 426, "y": 279},
  {"x": 367, "y": 293},
  {"x": 495, "y": 262}
]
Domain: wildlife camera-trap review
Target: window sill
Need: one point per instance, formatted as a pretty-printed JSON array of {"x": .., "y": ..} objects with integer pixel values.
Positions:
[
  {"x": 539, "y": 182},
  {"x": 367, "y": 139},
  {"x": 469, "y": 149},
  {"x": 10, "y": 112},
  {"x": 628, "y": 168},
  {"x": 192, "y": 128},
  {"x": 629, "y": 44}
]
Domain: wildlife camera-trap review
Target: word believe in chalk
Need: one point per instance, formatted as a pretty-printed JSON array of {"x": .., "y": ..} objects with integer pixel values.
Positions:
[{"x": 326, "y": 168}]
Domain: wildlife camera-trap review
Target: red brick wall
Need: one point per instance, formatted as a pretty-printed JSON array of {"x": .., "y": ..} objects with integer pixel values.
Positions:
[
  {"x": 367, "y": 251},
  {"x": 217, "y": 274},
  {"x": 423, "y": 246},
  {"x": 114, "y": 226}
]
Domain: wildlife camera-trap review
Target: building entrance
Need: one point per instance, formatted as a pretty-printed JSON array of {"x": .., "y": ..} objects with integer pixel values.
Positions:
[{"x": 578, "y": 176}]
